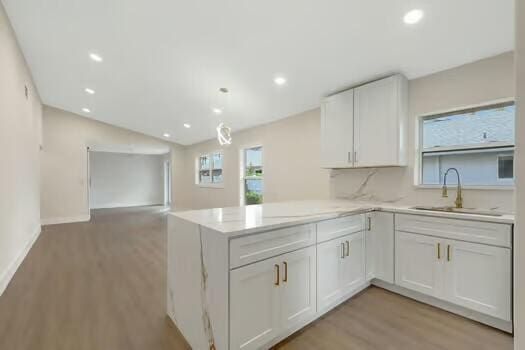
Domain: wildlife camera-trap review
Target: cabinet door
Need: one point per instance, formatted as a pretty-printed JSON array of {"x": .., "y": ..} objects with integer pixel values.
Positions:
[
  {"x": 419, "y": 265},
  {"x": 255, "y": 304},
  {"x": 380, "y": 246},
  {"x": 337, "y": 114},
  {"x": 377, "y": 123},
  {"x": 329, "y": 264},
  {"x": 353, "y": 267},
  {"x": 479, "y": 277},
  {"x": 298, "y": 300}
]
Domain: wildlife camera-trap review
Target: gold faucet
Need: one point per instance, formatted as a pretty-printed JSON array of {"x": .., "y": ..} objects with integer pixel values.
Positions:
[{"x": 459, "y": 197}]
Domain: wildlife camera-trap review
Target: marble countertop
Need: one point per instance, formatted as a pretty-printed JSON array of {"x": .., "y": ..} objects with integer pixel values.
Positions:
[{"x": 235, "y": 221}]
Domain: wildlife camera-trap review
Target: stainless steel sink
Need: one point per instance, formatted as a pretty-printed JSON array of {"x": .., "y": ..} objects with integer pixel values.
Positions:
[{"x": 459, "y": 210}]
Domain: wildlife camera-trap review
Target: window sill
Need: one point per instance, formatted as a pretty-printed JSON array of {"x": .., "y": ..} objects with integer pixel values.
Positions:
[
  {"x": 491, "y": 188},
  {"x": 218, "y": 186}
]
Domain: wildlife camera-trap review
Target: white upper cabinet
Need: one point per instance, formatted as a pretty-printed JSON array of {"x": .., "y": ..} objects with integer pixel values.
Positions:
[
  {"x": 337, "y": 124},
  {"x": 366, "y": 126},
  {"x": 380, "y": 118}
]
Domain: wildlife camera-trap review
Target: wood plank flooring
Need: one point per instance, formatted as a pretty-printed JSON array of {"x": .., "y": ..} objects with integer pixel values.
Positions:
[{"x": 101, "y": 286}]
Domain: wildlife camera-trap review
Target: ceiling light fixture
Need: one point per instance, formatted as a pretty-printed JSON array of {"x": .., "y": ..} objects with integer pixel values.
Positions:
[
  {"x": 166, "y": 135},
  {"x": 90, "y": 91},
  {"x": 413, "y": 16},
  {"x": 217, "y": 110},
  {"x": 187, "y": 126},
  {"x": 95, "y": 57},
  {"x": 224, "y": 135},
  {"x": 279, "y": 80},
  {"x": 86, "y": 110}
]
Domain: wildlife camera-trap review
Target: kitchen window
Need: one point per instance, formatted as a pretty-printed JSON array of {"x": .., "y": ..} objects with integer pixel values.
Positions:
[
  {"x": 479, "y": 142},
  {"x": 209, "y": 170},
  {"x": 252, "y": 175}
]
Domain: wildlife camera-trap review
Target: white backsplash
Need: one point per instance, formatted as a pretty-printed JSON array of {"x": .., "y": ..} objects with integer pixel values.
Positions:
[{"x": 396, "y": 185}]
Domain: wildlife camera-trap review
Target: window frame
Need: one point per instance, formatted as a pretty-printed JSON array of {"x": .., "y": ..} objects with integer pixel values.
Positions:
[
  {"x": 242, "y": 168},
  {"x": 197, "y": 169},
  {"x": 418, "y": 168}
]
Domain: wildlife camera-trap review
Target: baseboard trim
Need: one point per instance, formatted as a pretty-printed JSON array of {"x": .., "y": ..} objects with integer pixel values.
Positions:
[
  {"x": 8, "y": 274},
  {"x": 65, "y": 220},
  {"x": 503, "y": 325},
  {"x": 125, "y": 205}
]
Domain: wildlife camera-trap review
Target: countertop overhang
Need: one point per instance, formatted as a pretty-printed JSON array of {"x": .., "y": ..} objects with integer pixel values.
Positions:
[{"x": 234, "y": 221}]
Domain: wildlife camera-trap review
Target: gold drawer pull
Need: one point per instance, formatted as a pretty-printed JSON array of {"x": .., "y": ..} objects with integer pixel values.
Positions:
[
  {"x": 285, "y": 279},
  {"x": 347, "y": 248},
  {"x": 448, "y": 252},
  {"x": 277, "y": 279},
  {"x": 342, "y": 250},
  {"x": 439, "y": 251}
]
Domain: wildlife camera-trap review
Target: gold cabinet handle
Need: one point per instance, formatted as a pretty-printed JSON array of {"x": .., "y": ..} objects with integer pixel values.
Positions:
[
  {"x": 369, "y": 224},
  {"x": 439, "y": 251},
  {"x": 347, "y": 248},
  {"x": 277, "y": 279},
  {"x": 285, "y": 278},
  {"x": 342, "y": 250},
  {"x": 448, "y": 252}
]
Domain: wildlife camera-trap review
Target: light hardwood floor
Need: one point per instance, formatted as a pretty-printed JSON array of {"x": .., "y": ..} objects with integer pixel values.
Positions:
[{"x": 101, "y": 286}]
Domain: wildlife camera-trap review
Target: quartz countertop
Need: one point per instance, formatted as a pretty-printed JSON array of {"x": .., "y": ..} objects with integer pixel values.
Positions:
[{"x": 234, "y": 221}]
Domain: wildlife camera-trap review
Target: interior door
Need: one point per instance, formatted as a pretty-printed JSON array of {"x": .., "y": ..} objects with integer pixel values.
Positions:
[
  {"x": 376, "y": 123},
  {"x": 478, "y": 277},
  {"x": 419, "y": 263},
  {"x": 255, "y": 310},
  {"x": 353, "y": 268},
  {"x": 337, "y": 125},
  {"x": 298, "y": 301},
  {"x": 330, "y": 256}
]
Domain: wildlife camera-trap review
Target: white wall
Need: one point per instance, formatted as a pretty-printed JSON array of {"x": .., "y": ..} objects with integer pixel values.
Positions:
[
  {"x": 291, "y": 157},
  {"x": 66, "y": 137},
  {"x": 519, "y": 229},
  {"x": 20, "y": 135},
  {"x": 126, "y": 180}
]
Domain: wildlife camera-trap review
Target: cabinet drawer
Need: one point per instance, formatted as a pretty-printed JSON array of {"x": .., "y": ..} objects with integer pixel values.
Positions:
[
  {"x": 463, "y": 230},
  {"x": 246, "y": 250},
  {"x": 330, "y": 229}
]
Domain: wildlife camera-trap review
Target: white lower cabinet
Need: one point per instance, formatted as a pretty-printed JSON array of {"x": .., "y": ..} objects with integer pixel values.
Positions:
[
  {"x": 479, "y": 277},
  {"x": 379, "y": 241},
  {"x": 340, "y": 269},
  {"x": 270, "y": 296},
  {"x": 472, "y": 275},
  {"x": 418, "y": 265}
]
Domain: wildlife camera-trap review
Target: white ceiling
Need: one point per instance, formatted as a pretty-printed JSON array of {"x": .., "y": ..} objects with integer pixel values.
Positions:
[{"x": 165, "y": 60}]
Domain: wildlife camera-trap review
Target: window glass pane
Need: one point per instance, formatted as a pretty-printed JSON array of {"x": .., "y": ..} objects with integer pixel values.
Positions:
[
  {"x": 204, "y": 162},
  {"x": 217, "y": 176},
  {"x": 506, "y": 167},
  {"x": 253, "y": 191},
  {"x": 204, "y": 177},
  {"x": 253, "y": 159},
  {"x": 475, "y": 168},
  {"x": 474, "y": 127},
  {"x": 217, "y": 161}
]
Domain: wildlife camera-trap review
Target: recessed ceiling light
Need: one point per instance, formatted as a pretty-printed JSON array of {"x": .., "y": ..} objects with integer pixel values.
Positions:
[
  {"x": 89, "y": 91},
  {"x": 217, "y": 110},
  {"x": 413, "y": 16},
  {"x": 187, "y": 126},
  {"x": 166, "y": 135},
  {"x": 86, "y": 110},
  {"x": 95, "y": 57},
  {"x": 279, "y": 80}
]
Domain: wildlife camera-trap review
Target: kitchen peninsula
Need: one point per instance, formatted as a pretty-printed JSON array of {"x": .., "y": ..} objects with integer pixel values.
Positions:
[{"x": 248, "y": 277}]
